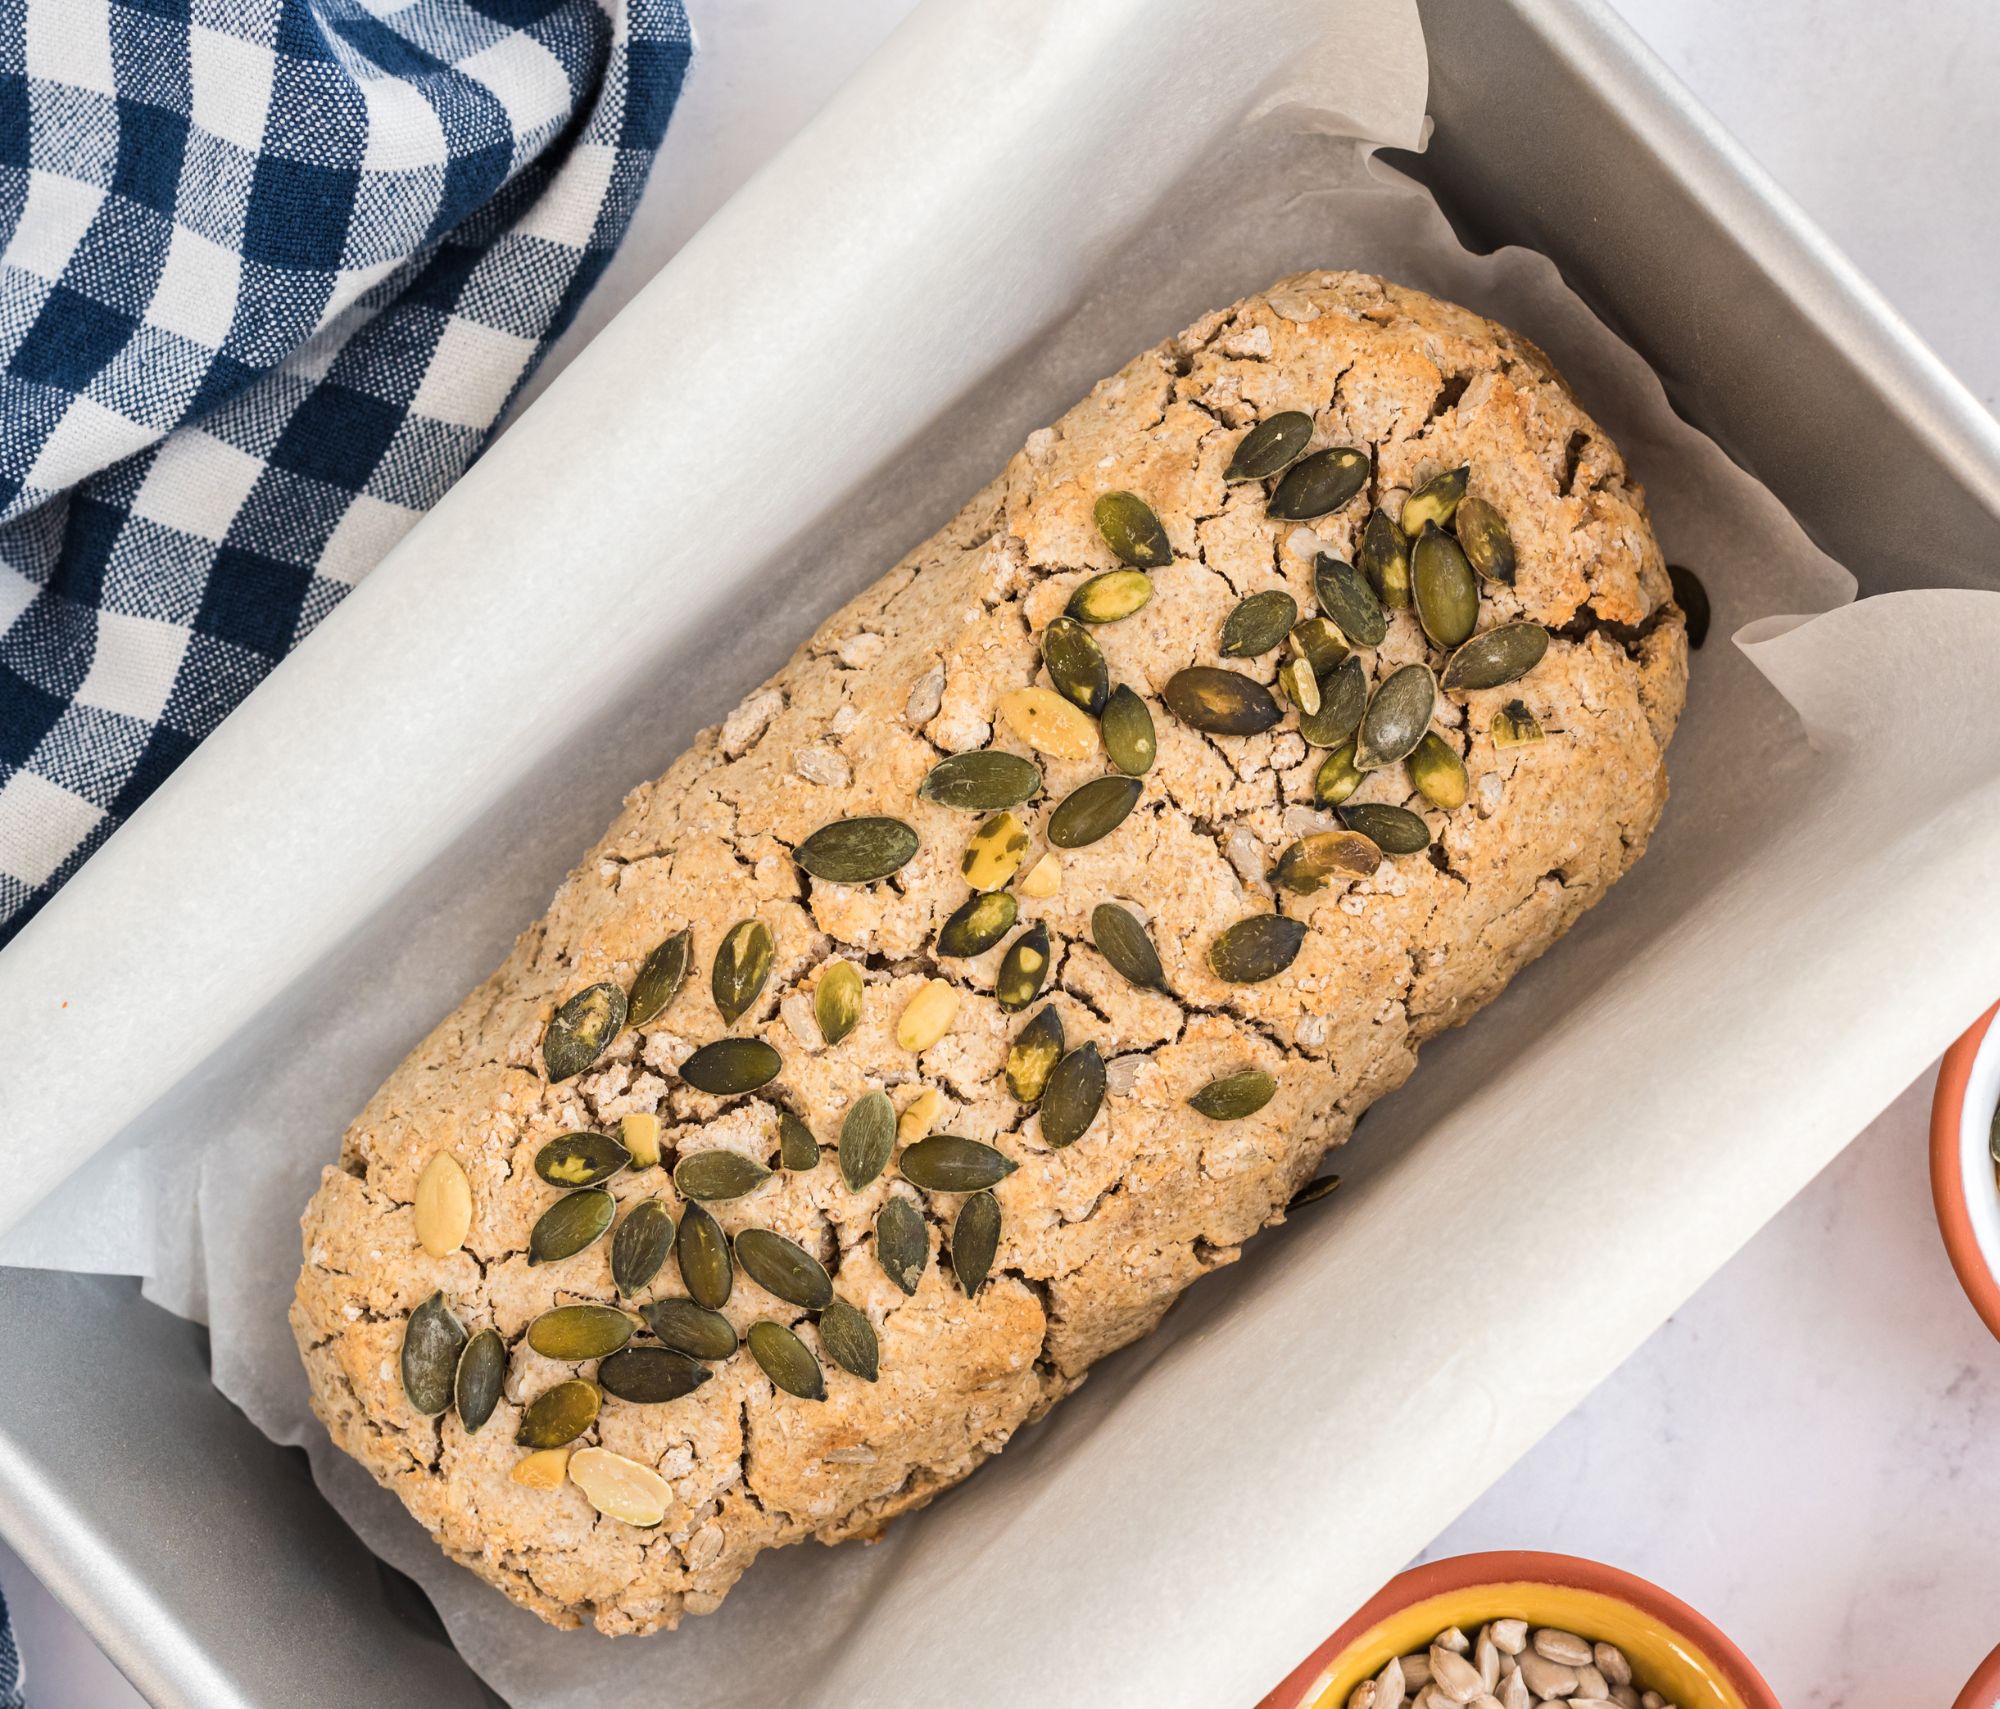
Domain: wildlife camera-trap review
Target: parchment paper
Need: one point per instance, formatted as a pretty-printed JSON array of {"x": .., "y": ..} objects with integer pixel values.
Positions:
[{"x": 1010, "y": 201}]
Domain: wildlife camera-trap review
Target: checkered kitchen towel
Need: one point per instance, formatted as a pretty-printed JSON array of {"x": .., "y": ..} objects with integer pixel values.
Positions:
[
  {"x": 10, "y": 1665},
  {"x": 269, "y": 272}
]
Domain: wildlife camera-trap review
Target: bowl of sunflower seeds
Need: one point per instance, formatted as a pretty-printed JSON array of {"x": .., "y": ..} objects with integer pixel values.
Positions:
[{"x": 1965, "y": 1162}]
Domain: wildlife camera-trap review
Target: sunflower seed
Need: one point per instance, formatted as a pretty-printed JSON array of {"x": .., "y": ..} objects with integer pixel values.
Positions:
[
  {"x": 647, "y": 1376},
  {"x": 1393, "y": 830},
  {"x": 1499, "y": 655},
  {"x": 857, "y": 851},
  {"x": 1319, "y": 484},
  {"x": 1447, "y": 595},
  {"x": 1226, "y": 703},
  {"x": 975, "y": 1238},
  {"x": 945, "y": 1163},
  {"x": 641, "y": 1245},
  {"x": 1320, "y": 643},
  {"x": 1482, "y": 533},
  {"x": 558, "y": 1415},
  {"x": 1692, "y": 598},
  {"x": 1043, "y": 879},
  {"x": 1032, "y": 1057},
  {"x": 1271, "y": 447},
  {"x": 1312, "y": 860},
  {"x": 580, "y": 1159},
  {"x": 995, "y": 852},
  {"x": 849, "y": 1339},
  {"x": 1385, "y": 559},
  {"x": 797, "y": 1149},
  {"x": 981, "y": 781},
  {"x": 574, "y": 1332},
  {"x": 441, "y": 1212},
  {"x": 639, "y": 1133},
  {"x": 578, "y": 1032},
  {"x": 569, "y": 1225},
  {"x": 1127, "y": 728},
  {"x": 919, "y": 1116},
  {"x": 1111, "y": 597},
  {"x": 433, "y": 1339},
  {"x": 702, "y": 1252},
  {"x": 718, "y": 1174},
  {"x": 1234, "y": 1096},
  {"x": 1396, "y": 718},
  {"x": 742, "y": 965},
  {"x": 1312, "y": 1192},
  {"x": 1075, "y": 663},
  {"x": 1048, "y": 723},
  {"x": 1435, "y": 502},
  {"x": 1438, "y": 772},
  {"x": 1073, "y": 1096},
  {"x": 1298, "y": 683},
  {"x": 1514, "y": 726},
  {"x": 544, "y": 1469},
  {"x": 730, "y": 1066},
  {"x": 1348, "y": 601},
  {"x": 977, "y": 925},
  {"x": 1093, "y": 810},
  {"x": 1258, "y": 624},
  {"x": 1131, "y": 529},
  {"x": 902, "y": 1244},
  {"x": 1257, "y": 948},
  {"x": 1343, "y": 697},
  {"x": 482, "y": 1369},
  {"x": 691, "y": 1329},
  {"x": 867, "y": 1136},
  {"x": 1338, "y": 777},
  {"x": 619, "y": 1488},
  {"x": 837, "y": 1000},
  {"x": 660, "y": 978},
  {"x": 1127, "y": 945},
  {"x": 927, "y": 1017},
  {"x": 786, "y": 1360}
]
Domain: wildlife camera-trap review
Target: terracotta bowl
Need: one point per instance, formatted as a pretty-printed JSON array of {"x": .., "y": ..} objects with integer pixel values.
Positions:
[
  {"x": 1962, "y": 1183},
  {"x": 1982, "y": 1690},
  {"x": 1673, "y": 1650}
]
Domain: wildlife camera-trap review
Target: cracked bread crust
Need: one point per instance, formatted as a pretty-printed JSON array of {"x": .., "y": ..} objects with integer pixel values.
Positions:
[{"x": 1097, "y": 1240}]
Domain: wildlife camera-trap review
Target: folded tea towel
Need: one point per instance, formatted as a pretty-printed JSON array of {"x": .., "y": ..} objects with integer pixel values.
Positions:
[
  {"x": 11, "y": 1677},
  {"x": 269, "y": 272}
]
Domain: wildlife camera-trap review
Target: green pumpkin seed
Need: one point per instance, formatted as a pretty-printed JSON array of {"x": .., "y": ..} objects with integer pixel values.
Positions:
[
  {"x": 1127, "y": 945},
  {"x": 1271, "y": 447},
  {"x": 902, "y": 1243},
  {"x": 578, "y": 1032},
  {"x": 660, "y": 978},
  {"x": 1111, "y": 597},
  {"x": 558, "y": 1415},
  {"x": 1312, "y": 860},
  {"x": 1076, "y": 666},
  {"x": 482, "y": 1370},
  {"x": 1258, "y": 624},
  {"x": 1226, "y": 703},
  {"x": 433, "y": 1339},
  {"x": 837, "y": 1000},
  {"x": 1393, "y": 830},
  {"x": 1438, "y": 772},
  {"x": 1446, "y": 592},
  {"x": 570, "y": 1224},
  {"x": 691, "y": 1329},
  {"x": 1094, "y": 810},
  {"x": 1482, "y": 534},
  {"x": 1396, "y": 718},
  {"x": 728, "y": 1067},
  {"x": 1385, "y": 559},
  {"x": 702, "y": 1252},
  {"x": 1032, "y": 1057},
  {"x": 1312, "y": 1192},
  {"x": 857, "y": 851},
  {"x": 1319, "y": 484},
  {"x": 945, "y": 1163},
  {"x": 575, "y": 1332},
  {"x": 742, "y": 965},
  {"x": 1692, "y": 598},
  {"x": 580, "y": 1159},
  {"x": 1348, "y": 601},
  {"x": 718, "y": 1174},
  {"x": 1343, "y": 697},
  {"x": 1073, "y": 1096},
  {"x": 982, "y": 781},
  {"x": 849, "y": 1339},
  {"x": 1320, "y": 643},
  {"x": 1299, "y": 684},
  {"x": 786, "y": 1360},
  {"x": 1435, "y": 502},
  {"x": 975, "y": 1238},
  {"x": 649, "y": 1376},
  {"x": 1499, "y": 655},
  {"x": 1127, "y": 728},
  {"x": 1131, "y": 529},
  {"x": 1234, "y": 1096},
  {"x": 797, "y": 1149},
  {"x": 1023, "y": 969},
  {"x": 1255, "y": 949},
  {"x": 641, "y": 1245},
  {"x": 1514, "y": 726},
  {"x": 978, "y": 924},
  {"x": 867, "y": 1136},
  {"x": 784, "y": 1268},
  {"x": 1338, "y": 777}
]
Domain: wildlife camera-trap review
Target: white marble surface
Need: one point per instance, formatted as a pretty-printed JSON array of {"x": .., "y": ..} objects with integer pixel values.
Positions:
[{"x": 1806, "y": 1452}]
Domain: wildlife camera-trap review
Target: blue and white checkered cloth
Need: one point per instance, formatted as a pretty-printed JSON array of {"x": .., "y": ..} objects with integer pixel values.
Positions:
[
  {"x": 10, "y": 1665},
  {"x": 269, "y": 272}
]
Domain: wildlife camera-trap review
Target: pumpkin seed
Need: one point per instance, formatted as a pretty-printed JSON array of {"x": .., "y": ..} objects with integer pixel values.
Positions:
[
  {"x": 902, "y": 1244},
  {"x": 995, "y": 852},
  {"x": 1442, "y": 582},
  {"x": 1111, "y": 597},
  {"x": 641, "y": 1245},
  {"x": 1438, "y": 772},
  {"x": 977, "y": 925},
  {"x": 1338, "y": 777},
  {"x": 1319, "y": 484},
  {"x": 1048, "y": 723},
  {"x": 1093, "y": 810},
  {"x": 619, "y": 1488},
  {"x": 639, "y": 1133},
  {"x": 1348, "y": 601},
  {"x": 981, "y": 781},
  {"x": 1499, "y": 655},
  {"x": 1299, "y": 683},
  {"x": 837, "y": 1000},
  {"x": 797, "y": 1149},
  {"x": 1233, "y": 1096},
  {"x": 1482, "y": 535},
  {"x": 1385, "y": 559},
  {"x": 1023, "y": 969},
  {"x": 975, "y": 1238},
  {"x": 1514, "y": 726},
  {"x": 558, "y": 1415},
  {"x": 727, "y": 1067},
  {"x": 1227, "y": 703},
  {"x": 647, "y": 1376},
  {"x": 544, "y": 1469},
  {"x": 1436, "y": 501},
  {"x": 1319, "y": 642},
  {"x": 1044, "y": 878},
  {"x": 857, "y": 851},
  {"x": 718, "y": 1174},
  {"x": 433, "y": 1339},
  {"x": 1032, "y": 1057},
  {"x": 691, "y": 1329},
  {"x": 442, "y": 1209},
  {"x": 660, "y": 978},
  {"x": 1073, "y": 1096},
  {"x": 1312, "y": 860},
  {"x": 580, "y": 1159},
  {"x": 867, "y": 1136},
  {"x": 786, "y": 1360},
  {"x": 1258, "y": 624},
  {"x": 1127, "y": 945},
  {"x": 578, "y": 1032},
  {"x": 1075, "y": 664},
  {"x": 1271, "y": 447},
  {"x": 702, "y": 1252},
  {"x": 575, "y": 1332},
  {"x": 1127, "y": 728},
  {"x": 742, "y": 965},
  {"x": 1396, "y": 718},
  {"x": 1131, "y": 529},
  {"x": 849, "y": 1339},
  {"x": 1692, "y": 598},
  {"x": 1393, "y": 830},
  {"x": 1255, "y": 949},
  {"x": 1312, "y": 1192},
  {"x": 570, "y": 1224},
  {"x": 945, "y": 1163},
  {"x": 1343, "y": 697},
  {"x": 482, "y": 1369}
]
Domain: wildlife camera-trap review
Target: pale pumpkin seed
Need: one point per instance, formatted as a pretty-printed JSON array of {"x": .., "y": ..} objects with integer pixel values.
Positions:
[
  {"x": 1499, "y": 655},
  {"x": 558, "y": 1415},
  {"x": 1093, "y": 810},
  {"x": 1514, "y": 726},
  {"x": 1075, "y": 663},
  {"x": 1225, "y": 703},
  {"x": 1396, "y": 718},
  {"x": 1255, "y": 949},
  {"x": 1127, "y": 728},
  {"x": 1023, "y": 969},
  {"x": 578, "y": 1032},
  {"x": 1343, "y": 697},
  {"x": 1127, "y": 945},
  {"x": 837, "y": 1000},
  {"x": 977, "y": 925},
  {"x": 1436, "y": 501},
  {"x": 580, "y": 1159},
  {"x": 570, "y": 1224},
  {"x": 1348, "y": 601},
  {"x": 981, "y": 781},
  {"x": 1312, "y": 1192},
  {"x": 1482, "y": 533},
  {"x": 441, "y": 1212},
  {"x": 849, "y": 1339},
  {"x": 1032, "y": 1057},
  {"x": 691, "y": 1329},
  {"x": 742, "y": 965},
  {"x": 621, "y": 1489},
  {"x": 1132, "y": 530},
  {"x": 1385, "y": 559},
  {"x": 1692, "y": 598},
  {"x": 1319, "y": 484},
  {"x": 995, "y": 852},
  {"x": 857, "y": 851},
  {"x": 867, "y": 1136},
  {"x": 1231, "y": 1097},
  {"x": 660, "y": 978},
  {"x": 975, "y": 1238},
  {"x": 1338, "y": 777},
  {"x": 1393, "y": 830},
  {"x": 1271, "y": 447},
  {"x": 902, "y": 1243},
  {"x": 797, "y": 1149},
  {"x": 718, "y": 1174},
  {"x": 786, "y": 1360},
  {"x": 1438, "y": 772},
  {"x": 727, "y": 1067},
  {"x": 945, "y": 1163},
  {"x": 649, "y": 1376},
  {"x": 1258, "y": 624},
  {"x": 433, "y": 1339},
  {"x": 1073, "y": 1096},
  {"x": 576, "y": 1332},
  {"x": 1319, "y": 642},
  {"x": 927, "y": 1016},
  {"x": 1048, "y": 723},
  {"x": 1447, "y": 595},
  {"x": 1111, "y": 597},
  {"x": 1299, "y": 684},
  {"x": 1312, "y": 860},
  {"x": 482, "y": 1370},
  {"x": 641, "y": 1245},
  {"x": 702, "y": 1252}
]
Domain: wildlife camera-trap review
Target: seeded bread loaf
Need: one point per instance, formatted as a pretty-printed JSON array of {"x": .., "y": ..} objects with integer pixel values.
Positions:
[{"x": 1097, "y": 1236}]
